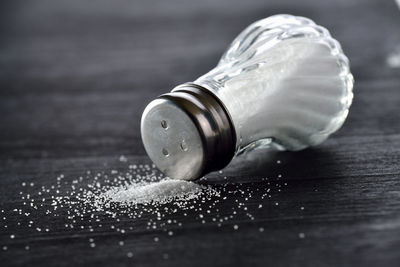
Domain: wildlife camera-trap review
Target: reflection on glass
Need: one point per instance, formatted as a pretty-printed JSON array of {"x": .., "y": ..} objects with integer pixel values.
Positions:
[{"x": 393, "y": 59}]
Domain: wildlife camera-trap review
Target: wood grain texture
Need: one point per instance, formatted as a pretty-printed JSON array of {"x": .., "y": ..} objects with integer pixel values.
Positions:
[{"x": 76, "y": 75}]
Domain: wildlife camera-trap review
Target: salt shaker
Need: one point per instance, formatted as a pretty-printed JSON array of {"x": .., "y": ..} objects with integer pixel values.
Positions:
[{"x": 284, "y": 82}]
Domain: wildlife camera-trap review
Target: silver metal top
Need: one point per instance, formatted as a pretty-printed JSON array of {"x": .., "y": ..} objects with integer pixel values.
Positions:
[
  {"x": 187, "y": 133},
  {"x": 172, "y": 140}
]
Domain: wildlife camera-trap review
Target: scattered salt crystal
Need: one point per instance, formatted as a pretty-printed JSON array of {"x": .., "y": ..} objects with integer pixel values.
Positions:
[
  {"x": 122, "y": 158},
  {"x": 129, "y": 254},
  {"x": 393, "y": 59},
  {"x": 235, "y": 227},
  {"x": 12, "y": 236},
  {"x": 302, "y": 235},
  {"x": 261, "y": 229}
]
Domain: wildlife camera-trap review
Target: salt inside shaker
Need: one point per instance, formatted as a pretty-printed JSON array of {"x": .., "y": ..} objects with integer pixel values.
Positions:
[{"x": 284, "y": 82}]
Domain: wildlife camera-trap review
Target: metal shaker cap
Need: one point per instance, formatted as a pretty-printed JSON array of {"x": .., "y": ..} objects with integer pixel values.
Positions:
[{"x": 188, "y": 133}]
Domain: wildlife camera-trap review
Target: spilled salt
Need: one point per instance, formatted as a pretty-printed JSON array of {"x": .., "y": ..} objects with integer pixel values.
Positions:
[
  {"x": 133, "y": 197},
  {"x": 160, "y": 192}
]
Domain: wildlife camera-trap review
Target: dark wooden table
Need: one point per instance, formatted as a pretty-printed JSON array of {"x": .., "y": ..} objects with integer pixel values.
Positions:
[{"x": 75, "y": 76}]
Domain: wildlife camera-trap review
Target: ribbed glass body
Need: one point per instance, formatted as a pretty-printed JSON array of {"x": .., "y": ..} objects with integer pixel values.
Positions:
[{"x": 285, "y": 82}]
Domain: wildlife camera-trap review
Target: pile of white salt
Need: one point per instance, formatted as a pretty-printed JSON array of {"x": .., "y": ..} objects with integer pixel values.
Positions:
[{"x": 160, "y": 192}]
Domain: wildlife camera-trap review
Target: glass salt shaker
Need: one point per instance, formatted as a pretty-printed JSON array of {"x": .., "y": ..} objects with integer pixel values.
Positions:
[{"x": 284, "y": 82}]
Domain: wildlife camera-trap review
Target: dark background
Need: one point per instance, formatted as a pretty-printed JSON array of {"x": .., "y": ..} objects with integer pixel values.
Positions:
[{"x": 76, "y": 75}]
